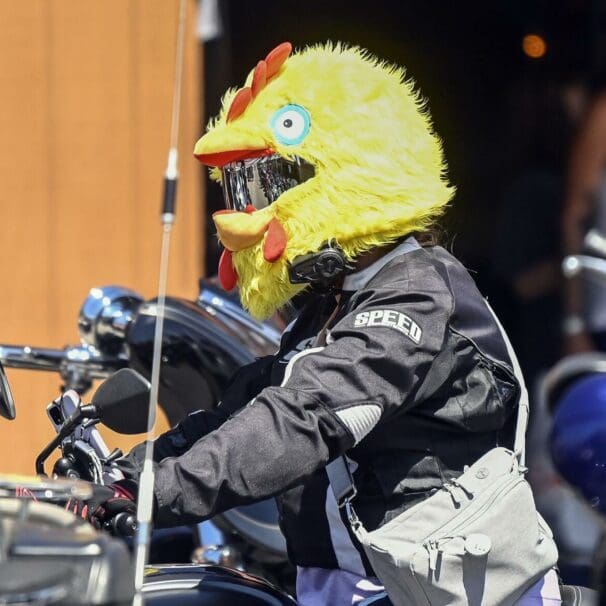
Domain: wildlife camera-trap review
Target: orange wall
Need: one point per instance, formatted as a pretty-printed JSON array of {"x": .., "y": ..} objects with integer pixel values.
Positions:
[{"x": 85, "y": 103}]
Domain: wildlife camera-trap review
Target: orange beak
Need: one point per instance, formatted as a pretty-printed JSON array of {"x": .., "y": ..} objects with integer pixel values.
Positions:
[
  {"x": 241, "y": 230},
  {"x": 237, "y": 230},
  {"x": 220, "y": 159}
]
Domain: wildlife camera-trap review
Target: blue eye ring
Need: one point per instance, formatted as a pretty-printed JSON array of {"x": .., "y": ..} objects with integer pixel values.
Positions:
[{"x": 291, "y": 124}]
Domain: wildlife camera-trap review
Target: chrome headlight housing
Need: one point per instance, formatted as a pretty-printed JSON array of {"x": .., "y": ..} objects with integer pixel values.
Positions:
[{"x": 105, "y": 316}]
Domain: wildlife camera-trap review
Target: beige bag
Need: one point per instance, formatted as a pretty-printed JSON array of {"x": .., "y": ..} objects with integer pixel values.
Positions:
[{"x": 479, "y": 540}]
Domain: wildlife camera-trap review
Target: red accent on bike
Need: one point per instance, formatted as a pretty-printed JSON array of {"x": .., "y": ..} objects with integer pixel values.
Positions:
[{"x": 121, "y": 492}]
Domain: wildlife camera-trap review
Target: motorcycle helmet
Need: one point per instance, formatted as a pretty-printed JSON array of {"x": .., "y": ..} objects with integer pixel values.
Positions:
[
  {"x": 578, "y": 438},
  {"x": 323, "y": 155}
]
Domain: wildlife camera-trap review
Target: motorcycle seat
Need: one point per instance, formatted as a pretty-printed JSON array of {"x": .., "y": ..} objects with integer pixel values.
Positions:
[{"x": 574, "y": 595}]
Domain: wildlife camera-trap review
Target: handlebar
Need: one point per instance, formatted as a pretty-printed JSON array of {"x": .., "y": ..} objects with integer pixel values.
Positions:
[{"x": 78, "y": 365}]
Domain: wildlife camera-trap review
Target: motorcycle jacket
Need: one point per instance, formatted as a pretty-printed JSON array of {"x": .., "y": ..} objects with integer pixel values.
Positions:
[{"x": 407, "y": 374}]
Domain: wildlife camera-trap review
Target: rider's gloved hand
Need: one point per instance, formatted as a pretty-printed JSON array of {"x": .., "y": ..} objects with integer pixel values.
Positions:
[{"x": 106, "y": 503}]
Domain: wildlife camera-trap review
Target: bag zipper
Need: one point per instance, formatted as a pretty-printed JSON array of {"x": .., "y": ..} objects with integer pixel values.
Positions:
[{"x": 432, "y": 541}]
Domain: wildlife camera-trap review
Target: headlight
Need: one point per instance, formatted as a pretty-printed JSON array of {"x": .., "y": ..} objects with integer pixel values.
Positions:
[{"x": 105, "y": 316}]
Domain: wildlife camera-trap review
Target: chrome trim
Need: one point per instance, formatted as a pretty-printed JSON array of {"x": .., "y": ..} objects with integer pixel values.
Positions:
[
  {"x": 573, "y": 265},
  {"x": 105, "y": 316},
  {"x": 40, "y": 597},
  {"x": 56, "y": 551},
  {"x": 171, "y": 584},
  {"x": 78, "y": 365},
  {"x": 214, "y": 302},
  {"x": 97, "y": 365},
  {"x": 595, "y": 242}
]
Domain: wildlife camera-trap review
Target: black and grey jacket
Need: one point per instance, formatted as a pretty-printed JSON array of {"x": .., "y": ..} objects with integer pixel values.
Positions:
[{"x": 414, "y": 383}]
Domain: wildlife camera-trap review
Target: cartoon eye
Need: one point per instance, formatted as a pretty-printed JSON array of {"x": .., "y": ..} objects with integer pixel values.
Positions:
[{"x": 291, "y": 124}]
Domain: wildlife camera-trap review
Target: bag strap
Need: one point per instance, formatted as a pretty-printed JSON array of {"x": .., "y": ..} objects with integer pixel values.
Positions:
[
  {"x": 339, "y": 474},
  {"x": 519, "y": 443}
]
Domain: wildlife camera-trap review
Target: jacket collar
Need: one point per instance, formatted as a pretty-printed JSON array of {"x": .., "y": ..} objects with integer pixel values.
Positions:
[{"x": 361, "y": 278}]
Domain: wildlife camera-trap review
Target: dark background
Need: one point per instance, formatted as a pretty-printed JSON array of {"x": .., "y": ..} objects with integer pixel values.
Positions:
[
  {"x": 507, "y": 123},
  {"x": 496, "y": 109}
]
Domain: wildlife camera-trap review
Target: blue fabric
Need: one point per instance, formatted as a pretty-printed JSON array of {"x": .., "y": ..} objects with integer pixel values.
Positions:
[{"x": 378, "y": 600}]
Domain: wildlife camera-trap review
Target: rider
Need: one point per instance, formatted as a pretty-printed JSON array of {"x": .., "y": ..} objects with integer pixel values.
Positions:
[{"x": 332, "y": 177}]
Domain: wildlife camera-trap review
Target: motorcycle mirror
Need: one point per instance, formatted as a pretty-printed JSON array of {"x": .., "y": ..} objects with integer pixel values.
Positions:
[
  {"x": 7, "y": 402},
  {"x": 121, "y": 402}
]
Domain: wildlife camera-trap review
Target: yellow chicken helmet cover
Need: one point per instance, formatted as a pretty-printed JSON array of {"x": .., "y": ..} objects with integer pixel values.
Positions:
[{"x": 376, "y": 168}]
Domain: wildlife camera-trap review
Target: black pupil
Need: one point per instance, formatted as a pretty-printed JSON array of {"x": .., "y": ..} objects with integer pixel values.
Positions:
[{"x": 287, "y": 123}]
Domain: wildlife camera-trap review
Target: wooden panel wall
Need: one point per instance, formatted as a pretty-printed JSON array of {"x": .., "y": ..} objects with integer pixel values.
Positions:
[{"x": 85, "y": 102}]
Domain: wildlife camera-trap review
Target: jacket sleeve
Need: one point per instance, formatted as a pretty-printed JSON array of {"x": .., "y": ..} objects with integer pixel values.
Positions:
[
  {"x": 331, "y": 397},
  {"x": 247, "y": 382}
]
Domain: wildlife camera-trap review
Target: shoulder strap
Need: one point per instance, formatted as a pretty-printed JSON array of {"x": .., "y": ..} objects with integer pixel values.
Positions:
[
  {"x": 519, "y": 444},
  {"x": 341, "y": 481}
]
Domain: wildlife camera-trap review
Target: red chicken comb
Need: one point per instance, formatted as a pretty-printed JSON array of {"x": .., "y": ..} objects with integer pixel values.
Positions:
[
  {"x": 276, "y": 58},
  {"x": 259, "y": 78},
  {"x": 239, "y": 103},
  {"x": 264, "y": 72}
]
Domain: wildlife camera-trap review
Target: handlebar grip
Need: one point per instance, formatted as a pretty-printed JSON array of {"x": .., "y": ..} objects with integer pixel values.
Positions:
[{"x": 124, "y": 524}]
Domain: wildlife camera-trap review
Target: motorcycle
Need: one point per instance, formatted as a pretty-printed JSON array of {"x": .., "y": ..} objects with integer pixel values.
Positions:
[
  {"x": 204, "y": 343},
  {"x": 50, "y": 556},
  {"x": 571, "y": 397}
]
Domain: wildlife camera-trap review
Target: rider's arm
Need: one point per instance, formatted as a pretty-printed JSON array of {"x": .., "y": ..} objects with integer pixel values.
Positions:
[
  {"x": 246, "y": 383},
  {"x": 331, "y": 397}
]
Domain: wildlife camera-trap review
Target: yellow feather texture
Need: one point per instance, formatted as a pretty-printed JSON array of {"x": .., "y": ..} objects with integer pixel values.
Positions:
[{"x": 380, "y": 172}]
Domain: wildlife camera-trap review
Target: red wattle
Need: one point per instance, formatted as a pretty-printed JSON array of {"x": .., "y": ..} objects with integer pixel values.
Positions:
[
  {"x": 227, "y": 274},
  {"x": 275, "y": 241}
]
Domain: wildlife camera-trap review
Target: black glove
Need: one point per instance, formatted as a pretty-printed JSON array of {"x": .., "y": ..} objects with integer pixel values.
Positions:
[{"x": 106, "y": 503}]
